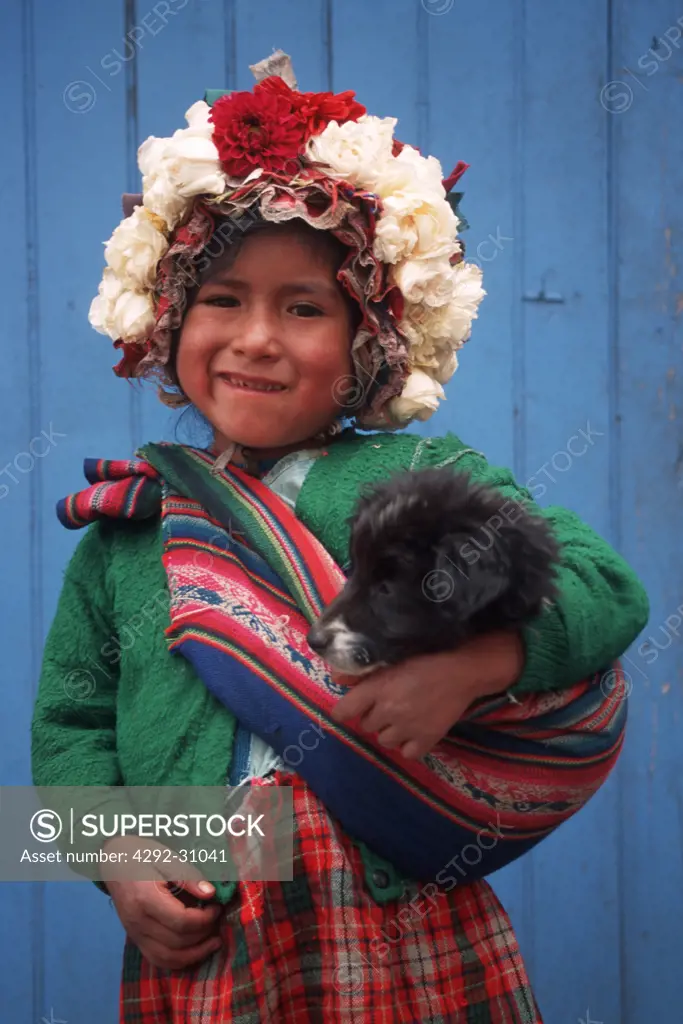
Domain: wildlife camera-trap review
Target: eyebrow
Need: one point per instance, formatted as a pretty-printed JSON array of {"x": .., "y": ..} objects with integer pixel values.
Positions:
[{"x": 290, "y": 288}]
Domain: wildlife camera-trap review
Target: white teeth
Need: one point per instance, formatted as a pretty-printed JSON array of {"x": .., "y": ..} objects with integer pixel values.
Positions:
[{"x": 255, "y": 387}]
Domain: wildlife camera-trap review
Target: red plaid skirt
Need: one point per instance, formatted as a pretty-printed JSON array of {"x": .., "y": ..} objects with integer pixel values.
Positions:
[{"x": 319, "y": 948}]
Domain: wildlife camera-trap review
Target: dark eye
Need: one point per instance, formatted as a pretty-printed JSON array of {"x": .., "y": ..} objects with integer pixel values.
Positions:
[
  {"x": 308, "y": 309},
  {"x": 384, "y": 589},
  {"x": 226, "y": 301}
]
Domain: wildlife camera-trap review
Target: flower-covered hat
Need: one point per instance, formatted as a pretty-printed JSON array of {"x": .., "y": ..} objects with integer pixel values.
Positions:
[{"x": 275, "y": 154}]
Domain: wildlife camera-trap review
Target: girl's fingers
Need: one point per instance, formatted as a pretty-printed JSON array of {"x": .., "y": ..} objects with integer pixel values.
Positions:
[
  {"x": 391, "y": 737},
  {"x": 356, "y": 702},
  {"x": 163, "y": 907},
  {"x": 175, "y": 960},
  {"x": 412, "y": 750},
  {"x": 175, "y": 940}
]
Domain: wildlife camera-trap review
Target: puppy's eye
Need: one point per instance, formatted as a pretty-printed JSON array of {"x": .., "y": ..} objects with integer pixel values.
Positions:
[{"x": 384, "y": 589}]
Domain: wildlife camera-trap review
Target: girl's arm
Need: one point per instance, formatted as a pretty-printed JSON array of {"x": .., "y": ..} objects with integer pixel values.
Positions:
[
  {"x": 602, "y": 605},
  {"x": 73, "y": 732}
]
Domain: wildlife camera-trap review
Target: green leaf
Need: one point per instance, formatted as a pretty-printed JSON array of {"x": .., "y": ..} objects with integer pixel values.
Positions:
[
  {"x": 211, "y": 95},
  {"x": 454, "y": 199}
]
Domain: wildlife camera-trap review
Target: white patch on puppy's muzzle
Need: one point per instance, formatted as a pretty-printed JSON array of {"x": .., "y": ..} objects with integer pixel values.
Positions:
[{"x": 345, "y": 650}]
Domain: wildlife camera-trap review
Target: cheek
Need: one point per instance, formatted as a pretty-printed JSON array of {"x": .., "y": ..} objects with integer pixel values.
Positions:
[
  {"x": 195, "y": 349},
  {"x": 327, "y": 356}
]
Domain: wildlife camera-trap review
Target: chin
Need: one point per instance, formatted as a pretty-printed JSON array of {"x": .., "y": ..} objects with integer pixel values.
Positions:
[
  {"x": 435, "y": 561},
  {"x": 250, "y": 433}
]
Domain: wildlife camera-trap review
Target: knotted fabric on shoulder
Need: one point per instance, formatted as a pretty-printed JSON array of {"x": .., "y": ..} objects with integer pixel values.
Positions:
[
  {"x": 120, "y": 489},
  {"x": 247, "y": 579}
]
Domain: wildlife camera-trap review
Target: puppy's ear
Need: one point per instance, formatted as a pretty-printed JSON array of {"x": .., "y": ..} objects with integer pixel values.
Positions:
[
  {"x": 475, "y": 577},
  {"x": 534, "y": 555}
]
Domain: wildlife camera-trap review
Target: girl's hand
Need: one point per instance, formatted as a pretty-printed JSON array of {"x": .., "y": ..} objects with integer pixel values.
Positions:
[
  {"x": 168, "y": 934},
  {"x": 413, "y": 705}
]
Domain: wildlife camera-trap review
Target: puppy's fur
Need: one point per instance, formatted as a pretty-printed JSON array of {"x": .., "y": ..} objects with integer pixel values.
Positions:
[{"x": 435, "y": 560}]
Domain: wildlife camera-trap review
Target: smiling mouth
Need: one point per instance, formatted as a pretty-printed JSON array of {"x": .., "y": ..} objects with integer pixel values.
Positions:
[{"x": 254, "y": 389}]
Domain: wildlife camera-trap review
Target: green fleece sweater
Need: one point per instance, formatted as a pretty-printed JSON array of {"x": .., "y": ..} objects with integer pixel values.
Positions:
[{"x": 114, "y": 707}]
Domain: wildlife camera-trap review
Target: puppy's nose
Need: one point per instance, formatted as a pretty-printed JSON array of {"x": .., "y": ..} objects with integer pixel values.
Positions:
[
  {"x": 361, "y": 657},
  {"x": 317, "y": 638}
]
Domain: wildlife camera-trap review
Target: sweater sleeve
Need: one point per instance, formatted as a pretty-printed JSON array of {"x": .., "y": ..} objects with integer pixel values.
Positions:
[
  {"x": 602, "y": 605},
  {"x": 73, "y": 731}
]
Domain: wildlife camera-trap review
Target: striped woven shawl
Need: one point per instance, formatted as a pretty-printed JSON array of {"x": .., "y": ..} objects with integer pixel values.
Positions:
[{"x": 246, "y": 580}]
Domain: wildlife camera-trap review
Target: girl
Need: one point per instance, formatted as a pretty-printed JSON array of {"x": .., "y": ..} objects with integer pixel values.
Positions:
[{"x": 292, "y": 271}]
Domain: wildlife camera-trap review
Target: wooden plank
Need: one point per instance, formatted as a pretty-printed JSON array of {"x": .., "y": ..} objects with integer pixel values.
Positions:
[
  {"x": 564, "y": 376},
  {"x": 21, "y": 944},
  {"x": 472, "y": 117},
  {"x": 378, "y": 51},
  {"x": 299, "y": 28},
  {"x": 647, "y": 340},
  {"x": 80, "y": 158},
  {"x": 563, "y": 446}
]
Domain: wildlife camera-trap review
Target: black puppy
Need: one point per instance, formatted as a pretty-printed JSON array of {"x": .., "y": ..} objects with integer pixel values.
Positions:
[{"x": 435, "y": 560}]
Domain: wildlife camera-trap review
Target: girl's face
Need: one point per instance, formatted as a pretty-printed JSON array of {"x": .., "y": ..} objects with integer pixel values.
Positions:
[{"x": 277, "y": 314}]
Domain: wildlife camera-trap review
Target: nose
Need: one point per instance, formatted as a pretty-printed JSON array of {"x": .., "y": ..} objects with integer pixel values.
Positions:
[
  {"x": 317, "y": 638},
  {"x": 257, "y": 334},
  {"x": 362, "y": 657}
]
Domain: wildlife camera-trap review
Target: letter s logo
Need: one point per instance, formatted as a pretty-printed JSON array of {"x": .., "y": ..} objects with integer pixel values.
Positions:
[{"x": 46, "y": 826}]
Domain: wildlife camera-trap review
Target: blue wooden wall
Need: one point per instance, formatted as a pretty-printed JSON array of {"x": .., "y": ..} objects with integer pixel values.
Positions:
[{"x": 570, "y": 115}]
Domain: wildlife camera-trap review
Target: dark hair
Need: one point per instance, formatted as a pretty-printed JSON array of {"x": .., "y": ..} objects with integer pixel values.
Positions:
[{"x": 237, "y": 231}]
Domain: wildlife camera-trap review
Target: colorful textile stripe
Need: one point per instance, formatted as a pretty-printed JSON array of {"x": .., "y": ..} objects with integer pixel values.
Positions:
[
  {"x": 246, "y": 580},
  {"x": 127, "y": 489},
  {"x": 236, "y": 499}
]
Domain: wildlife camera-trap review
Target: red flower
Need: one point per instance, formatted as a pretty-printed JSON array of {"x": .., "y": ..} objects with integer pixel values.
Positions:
[
  {"x": 269, "y": 127},
  {"x": 262, "y": 128},
  {"x": 128, "y": 363},
  {"x": 319, "y": 108},
  {"x": 455, "y": 175}
]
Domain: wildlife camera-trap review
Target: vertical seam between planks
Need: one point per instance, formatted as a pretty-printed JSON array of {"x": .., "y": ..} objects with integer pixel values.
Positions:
[
  {"x": 230, "y": 44},
  {"x": 37, "y": 934},
  {"x": 328, "y": 44},
  {"x": 131, "y": 73},
  {"x": 519, "y": 417},
  {"x": 519, "y": 318},
  {"x": 422, "y": 98},
  {"x": 614, "y": 449},
  {"x": 613, "y": 306}
]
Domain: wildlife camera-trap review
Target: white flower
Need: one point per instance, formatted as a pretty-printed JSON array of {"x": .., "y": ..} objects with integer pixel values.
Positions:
[
  {"x": 121, "y": 312},
  {"x": 102, "y": 306},
  {"x": 134, "y": 250},
  {"x": 409, "y": 172},
  {"x": 355, "y": 149},
  {"x": 447, "y": 365},
  {"x": 134, "y": 315},
  {"x": 418, "y": 400},
  {"x": 468, "y": 291},
  {"x": 418, "y": 225},
  {"x": 185, "y": 165},
  {"x": 160, "y": 194},
  {"x": 425, "y": 281},
  {"x": 197, "y": 118},
  {"x": 427, "y": 169},
  {"x": 441, "y": 365},
  {"x": 429, "y": 326}
]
